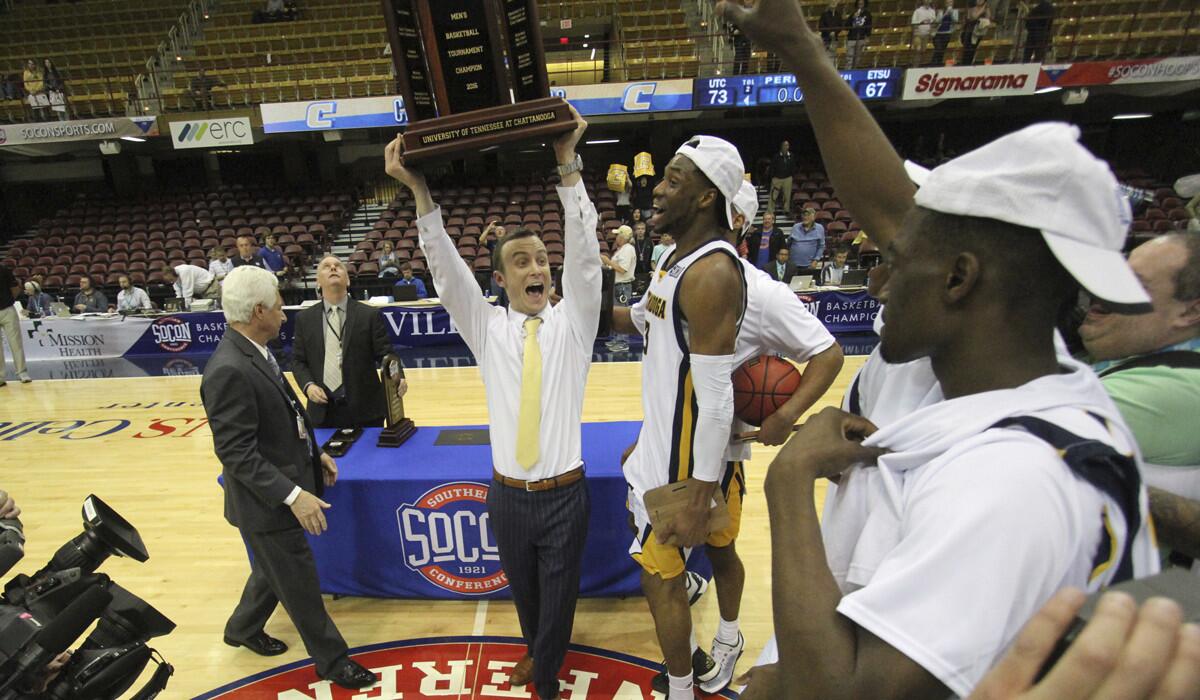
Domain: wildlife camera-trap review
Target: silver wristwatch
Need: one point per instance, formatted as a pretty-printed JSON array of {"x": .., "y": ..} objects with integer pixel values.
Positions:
[{"x": 572, "y": 167}]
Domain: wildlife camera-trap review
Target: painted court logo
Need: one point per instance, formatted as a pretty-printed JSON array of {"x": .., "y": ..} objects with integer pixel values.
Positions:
[
  {"x": 456, "y": 667},
  {"x": 172, "y": 334},
  {"x": 446, "y": 539}
]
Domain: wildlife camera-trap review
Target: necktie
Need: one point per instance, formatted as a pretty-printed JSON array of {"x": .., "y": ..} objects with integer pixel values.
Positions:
[
  {"x": 333, "y": 349},
  {"x": 530, "y": 417}
]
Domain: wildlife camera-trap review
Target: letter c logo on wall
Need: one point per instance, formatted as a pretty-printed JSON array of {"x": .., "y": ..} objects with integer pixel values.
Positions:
[
  {"x": 638, "y": 96},
  {"x": 446, "y": 539},
  {"x": 320, "y": 115},
  {"x": 206, "y": 133}
]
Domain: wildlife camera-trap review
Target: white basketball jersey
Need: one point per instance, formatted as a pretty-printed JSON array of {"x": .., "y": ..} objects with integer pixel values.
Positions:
[{"x": 664, "y": 450}]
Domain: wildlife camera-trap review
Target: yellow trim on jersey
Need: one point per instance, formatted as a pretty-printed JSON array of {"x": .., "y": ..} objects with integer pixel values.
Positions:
[
  {"x": 1114, "y": 552},
  {"x": 683, "y": 438}
]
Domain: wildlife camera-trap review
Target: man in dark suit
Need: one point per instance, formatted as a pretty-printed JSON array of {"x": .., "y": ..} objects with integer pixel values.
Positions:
[
  {"x": 338, "y": 346},
  {"x": 781, "y": 269},
  {"x": 274, "y": 476}
]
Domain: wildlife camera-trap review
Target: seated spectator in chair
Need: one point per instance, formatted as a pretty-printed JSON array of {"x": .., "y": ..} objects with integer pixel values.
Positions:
[
  {"x": 407, "y": 280},
  {"x": 89, "y": 300},
  {"x": 219, "y": 263},
  {"x": 1150, "y": 365},
  {"x": 664, "y": 242},
  {"x": 389, "y": 262},
  {"x": 783, "y": 269},
  {"x": 132, "y": 299},
  {"x": 37, "y": 302},
  {"x": 272, "y": 255},
  {"x": 831, "y": 274},
  {"x": 247, "y": 255},
  {"x": 201, "y": 89}
]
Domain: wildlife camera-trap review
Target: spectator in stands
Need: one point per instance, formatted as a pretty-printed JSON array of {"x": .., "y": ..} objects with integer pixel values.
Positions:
[
  {"x": 945, "y": 29},
  {"x": 979, "y": 21},
  {"x": 831, "y": 274},
  {"x": 762, "y": 246},
  {"x": 89, "y": 300},
  {"x": 56, "y": 91},
  {"x": 807, "y": 241},
  {"x": 219, "y": 263},
  {"x": 782, "y": 269},
  {"x": 492, "y": 233},
  {"x": 741, "y": 47},
  {"x": 131, "y": 299},
  {"x": 922, "y": 22},
  {"x": 783, "y": 167},
  {"x": 1150, "y": 364},
  {"x": 643, "y": 197},
  {"x": 389, "y": 262},
  {"x": 276, "y": 11},
  {"x": 247, "y": 255},
  {"x": 35, "y": 90},
  {"x": 191, "y": 282},
  {"x": 858, "y": 30},
  {"x": 830, "y": 25},
  {"x": 9, "y": 87},
  {"x": 1039, "y": 21},
  {"x": 10, "y": 323},
  {"x": 665, "y": 242},
  {"x": 624, "y": 264},
  {"x": 408, "y": 280},
  {"x": 37, "y": 302},
  {"x": 201, "y": 89},
  {"x": 644, "y": 247},
  {"x": 625, "y": 204},
  {"x": 272, "y": 255}
]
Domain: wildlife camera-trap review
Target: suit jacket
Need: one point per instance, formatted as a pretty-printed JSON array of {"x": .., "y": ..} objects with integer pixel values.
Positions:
[
  {"x": 789, "y": 272},
  {"x": 364, "y": 343},
  {"x": 252, "y": 415}
]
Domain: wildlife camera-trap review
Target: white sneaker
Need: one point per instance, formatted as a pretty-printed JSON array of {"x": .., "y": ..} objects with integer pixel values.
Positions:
[
  {"x": 726, "y": 657},
  {"x": 25, "y": 378},
  {"x": 696, "y": 585}
]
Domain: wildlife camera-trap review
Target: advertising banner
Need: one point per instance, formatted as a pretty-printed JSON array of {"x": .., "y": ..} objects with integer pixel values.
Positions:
[
  {"x": 628, "y": 98},
  {"x": 324, "y": 115},
  {"x": 78, "y": 130},
  {"x": 1146, "y": 70},
  {"x": 208, "y": 133},
  {"x": 955, "y": 82}
]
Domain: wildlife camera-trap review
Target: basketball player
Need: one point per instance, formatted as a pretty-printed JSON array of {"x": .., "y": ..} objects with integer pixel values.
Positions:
[
  {"x": 1021, "y": 481},
  {"x": 693, "y": 306}
]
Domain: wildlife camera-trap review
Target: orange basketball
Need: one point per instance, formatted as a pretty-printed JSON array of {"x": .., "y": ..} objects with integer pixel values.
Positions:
[{"x": 761, "y": 386}]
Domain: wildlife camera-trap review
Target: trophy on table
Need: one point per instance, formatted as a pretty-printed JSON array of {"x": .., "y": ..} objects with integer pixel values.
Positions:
[
  {"x": 399, "y": 429},
  {"x": 471, "y": 75}
]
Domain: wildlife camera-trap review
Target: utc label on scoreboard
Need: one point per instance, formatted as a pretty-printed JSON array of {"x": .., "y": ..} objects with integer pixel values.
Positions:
[{"x": 761, "y": 90}]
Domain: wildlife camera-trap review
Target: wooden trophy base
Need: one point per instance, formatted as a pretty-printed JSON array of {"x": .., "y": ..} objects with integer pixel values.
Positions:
[
  {"x": 483, "y": 128},
  {"x": 397, "y": 435}
]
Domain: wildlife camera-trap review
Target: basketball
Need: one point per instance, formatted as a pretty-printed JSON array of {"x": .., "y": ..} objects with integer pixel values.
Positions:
[{"x": 761, "y": 386}]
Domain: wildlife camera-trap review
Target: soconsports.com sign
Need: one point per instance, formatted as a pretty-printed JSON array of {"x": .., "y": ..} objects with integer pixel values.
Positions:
[
  {"x": 207, "y": 133},
  {"x": 80, "y": 130},
  {"x": 953, "y": 82}
]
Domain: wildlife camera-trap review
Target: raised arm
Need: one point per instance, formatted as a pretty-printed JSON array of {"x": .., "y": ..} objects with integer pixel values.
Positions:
[
  {"x": 581, "y": 277},
  {"x": 456, "y": 285},
  {"x": 865, "y": 170}
]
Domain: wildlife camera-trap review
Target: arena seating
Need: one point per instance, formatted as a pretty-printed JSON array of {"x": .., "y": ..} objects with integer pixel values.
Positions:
[
  {"x": 105, "y": 237},
  {"x": 98, "y": 46}
]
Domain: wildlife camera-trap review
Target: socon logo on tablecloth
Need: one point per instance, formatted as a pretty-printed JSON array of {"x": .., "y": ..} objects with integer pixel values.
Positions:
[
  {"x": 172, "y": 334},
  {"x": 446, "y": 539}
]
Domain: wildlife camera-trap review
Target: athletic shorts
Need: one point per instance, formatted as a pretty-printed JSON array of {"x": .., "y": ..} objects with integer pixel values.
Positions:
[{"x": 668, "y": 562}]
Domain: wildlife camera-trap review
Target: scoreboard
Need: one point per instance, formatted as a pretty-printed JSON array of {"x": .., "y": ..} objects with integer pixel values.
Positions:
[{"x": 761, "y": 90}]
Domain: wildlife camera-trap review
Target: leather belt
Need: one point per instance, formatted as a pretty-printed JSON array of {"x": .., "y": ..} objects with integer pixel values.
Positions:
[{"x": 553, "y": 482}]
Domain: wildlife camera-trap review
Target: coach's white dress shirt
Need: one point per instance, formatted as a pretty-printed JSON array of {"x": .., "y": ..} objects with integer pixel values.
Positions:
[{"x": 496, "y": 336}]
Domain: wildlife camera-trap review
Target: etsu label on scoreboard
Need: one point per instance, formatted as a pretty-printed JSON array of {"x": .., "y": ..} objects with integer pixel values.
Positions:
[{"x": 446, "y": 539}]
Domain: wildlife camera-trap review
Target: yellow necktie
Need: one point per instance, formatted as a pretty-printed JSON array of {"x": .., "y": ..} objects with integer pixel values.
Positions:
[{"x": 530, "y": 418}]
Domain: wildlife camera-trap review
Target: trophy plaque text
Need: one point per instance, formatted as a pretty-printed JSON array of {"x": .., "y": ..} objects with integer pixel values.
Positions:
[
  {"x": 399, "y": 429},
  {"x": 472, "y": 75}
]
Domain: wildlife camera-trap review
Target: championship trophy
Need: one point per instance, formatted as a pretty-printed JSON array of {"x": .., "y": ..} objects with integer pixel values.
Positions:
[
  {"x": 471, "y": 74},
  {"x": 399, "y": 429}
]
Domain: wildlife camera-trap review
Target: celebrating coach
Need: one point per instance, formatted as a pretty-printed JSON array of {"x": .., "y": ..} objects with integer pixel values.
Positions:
[
  {"x": 338, "y": 345},
  {"x": 274, "y": 476}
]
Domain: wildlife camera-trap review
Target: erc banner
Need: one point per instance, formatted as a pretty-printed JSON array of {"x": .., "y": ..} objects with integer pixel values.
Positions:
[
  {"x": 1147, "y": 70},
  {"x": 954, "y": 82},
  {"x": 324, "y": 115},
  {"x": 208, "y": 133},
  {"x": 78, "y": 130},
  {"x": 628, "y": 98}
]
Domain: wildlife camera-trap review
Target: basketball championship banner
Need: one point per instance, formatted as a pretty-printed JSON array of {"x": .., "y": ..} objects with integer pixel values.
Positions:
[
  {"x": 1146, "y": 70},
  {"x": 78, "y": 130},
  {"x": 956, "y": 82}
]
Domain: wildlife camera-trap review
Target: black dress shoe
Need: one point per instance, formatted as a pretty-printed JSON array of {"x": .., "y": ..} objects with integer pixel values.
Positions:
[
  {"x": 260, "y": 644},
  {"x": 351, "y": 674}
]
